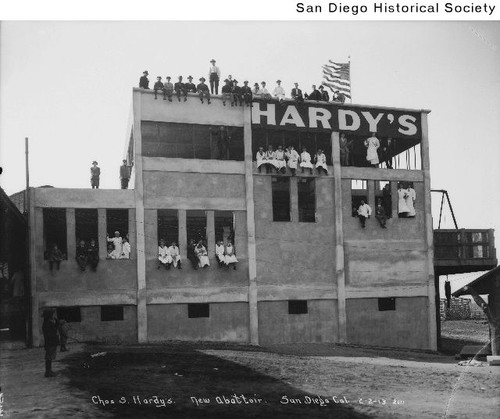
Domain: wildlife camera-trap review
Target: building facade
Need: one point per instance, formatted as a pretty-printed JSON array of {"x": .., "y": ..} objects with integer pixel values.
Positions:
[{"x": 307, "y": 271}]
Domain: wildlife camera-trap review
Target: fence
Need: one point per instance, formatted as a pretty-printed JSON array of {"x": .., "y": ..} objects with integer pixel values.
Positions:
[{"x": 460, "y": 309}]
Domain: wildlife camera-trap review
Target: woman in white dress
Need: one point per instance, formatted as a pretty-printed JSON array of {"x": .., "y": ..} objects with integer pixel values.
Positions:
[
  {"x": 219, "y": 253},
  {"x": 125, "y": 249},
  {"x": 320, "y": 160},
  {"x": 372, "y": 144},
  {"x": 230, "y": 255},
  {"x": 164, "y": 258},
  {"x": 410, "y": 199},
  {"x": 293, "y": 159},
  {"x": 305, "y": 161},
  {"x": 260, "y": 157},
  {"x": 403, "y": 209},
  {"x": 279, "y": 160},
  {"x": 270, "y": 159},
  {"x": 175, "y": 254},
  {"x": 201, "y": 253}
]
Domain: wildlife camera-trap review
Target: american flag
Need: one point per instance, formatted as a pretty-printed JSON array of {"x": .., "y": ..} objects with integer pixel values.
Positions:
[{"x": 338, "y": 77}]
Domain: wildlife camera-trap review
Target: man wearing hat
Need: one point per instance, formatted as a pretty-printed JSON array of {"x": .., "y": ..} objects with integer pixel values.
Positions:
[
  {"x": 189, "y": 86},
  {"x": 314, "y": 95},
  {"x": 159, "y": 86},
  {"x": 168, "y": 89},
  {"x": 236, "y": 94},
  {"x": 297, "y": 93},
  {"x": 278, "y": 91},
  {"x": 125, "y": 171},
  {"x": 227, "y": 92},
  {"x": 180, "y": 89},
  {"x": 214, "y": 77},
  {"x": 144, "y": 81},
  {"x": 203, "y": 91},
  {"x": 51, "y": 340},
  {"x": 95, "y": 172},
  {"x": 246, "y": 93},
  {"x": 325, "y": 97},
  {"x": 338, "y": 97},
  {"x": 263, "y": 92}
]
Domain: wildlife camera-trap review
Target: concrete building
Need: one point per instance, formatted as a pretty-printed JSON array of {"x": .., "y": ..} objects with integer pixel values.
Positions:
[{"x": 307, "y": 270}]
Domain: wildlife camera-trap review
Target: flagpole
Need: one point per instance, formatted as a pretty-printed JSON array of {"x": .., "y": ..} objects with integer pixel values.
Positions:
[{"x": 350, "y": 78}]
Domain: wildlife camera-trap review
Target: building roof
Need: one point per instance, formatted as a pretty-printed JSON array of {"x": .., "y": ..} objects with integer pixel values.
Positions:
[
  {"x": 483, "y": 285},
  {"x": 5, "y": 201}
]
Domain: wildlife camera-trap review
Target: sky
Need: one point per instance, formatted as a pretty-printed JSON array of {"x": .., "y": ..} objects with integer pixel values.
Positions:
[{"x": 67, "y": 85}]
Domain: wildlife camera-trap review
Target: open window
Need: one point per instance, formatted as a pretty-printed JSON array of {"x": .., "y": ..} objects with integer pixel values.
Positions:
[
  {"x": 197, "y": 310},
  {"x": 85, "y": 225},
  {"x": 387, "y": 304},
  {"x": 307, "y": 200},
  {"x": 297, "y": 307},
  {"x": 224, "y": 226},
  {"x": 54, "y": 230},
  {"x": 196, "y": 226},
  {"x": 168, "y": 226},
  {"x": 359, "y": 192},
  {"x": 117, "y": 220},
  {"x": 111, "y": 313},
  {"x": 281, "y": 198},
  {"x": 383, "y": 195}
]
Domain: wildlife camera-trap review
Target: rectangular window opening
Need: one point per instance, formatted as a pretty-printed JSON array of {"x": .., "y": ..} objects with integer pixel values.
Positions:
[
  {"x": 224, "y": 226},
  {"x": 297, "y": 307},
  {"x": 168, "y": 226},
  {"x": 281, "y": 198},
  {"x": 54, "y": 230},
  {"x": 387, "y": 304},
  {"x": 196, "y": 226},
  {"x": 111, "y": 313},
  {"x": 307, "y": 200},
  {"x": 198, "y": 310},
  {"x": 85, "y": 225},
  {"x": 70, "y": 314}
]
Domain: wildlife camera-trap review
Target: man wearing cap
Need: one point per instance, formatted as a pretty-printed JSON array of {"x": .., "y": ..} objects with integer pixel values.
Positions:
[
  {"x": 214, "y": 77},
  {"x": 338, "y": 97},
  {"x": 180, "y": 89},
  {"x": 246, "y": 93},
  {"x": 236, "y": 90},
  {"x": 125, "y": 171},
  {"x": 190, "y": 86},
  {"x": 159, "y": 86},
  {"x": 278, "y": 91},
  {"x": 263, "y": 92},
  {"x": 297, "y": 93},
  {"x": 144, "y": 81},
  {"x": 95, "y": 172},
  {"x": 203, "y": 91},
  {"x": 227, "y": 93},
  {"x": 168, "y": 89},
  {"x": 315, "y": 94},
  {"x": 325, "y": 97}
]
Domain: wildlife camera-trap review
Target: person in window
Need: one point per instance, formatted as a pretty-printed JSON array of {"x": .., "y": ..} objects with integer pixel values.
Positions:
[
  {"x": 314, "y": 95},
  {"x": 164, "y": 258},
  {"x": 214, "y": 77},
  {"x": 345, "y": 150},
  {"x": 236, "y": 91},
  {"x": 270, "y": 159},
  {"x": 93, "y": 254},
  {"x": 125, "y": 249},
  {"x": 111, "y": 252},
  {"x": 219, "y": 253},
  {"x": 189, "y": 86},
  {"x": 180, "y": 89},
  {"x": 297, "y": 93},
  {"x": 279, "y": 92},
  {"x": 168, "y": 89},
  {"x": 117, "y": 243},
  {"x": 222, "y": 142},
  {"x": 380, "y": 214},
  {"x": 320, "y": 160},
  {"x": 293, "y": 159},
  {"x": 364, "y": 212},
  {"x": 260, "y": 157},
  {"x": 51, "y": 340},
  {"x": 191, "y": 255},
  {"x": 410, "y": 199},
  {"x": 203, "y": 91},
  {"x": 263, "y": 92},
  {"x": 372, "y": 144},
  {"x": 386, "y": 151},
  {"x": 95, "y": 173},
  {"x": 55, "y": 256},
  {"x": 387, "y": 199},
  {"x": 246, "y": 93},
  {"x": 305, "y": 161},
  {"x": 403, "y": 209},
  {"x": 325, "y": 97},
  {"x": 279, "y": 160},
  {"x": 202, "y": 255},
  {"x": 227, "y": 93},
  {"x": 159, "y": 86},
  {"x": 125, "y": 171},
  {"x": 230, "y": 255},
  {"x": 144, "y": 81},
  {"x": 175, "y": 254},
  {"x": 81, "y": 255}
]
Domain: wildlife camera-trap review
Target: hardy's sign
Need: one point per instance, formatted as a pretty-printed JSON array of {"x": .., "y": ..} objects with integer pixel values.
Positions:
[{"x": 330, "y": 117}]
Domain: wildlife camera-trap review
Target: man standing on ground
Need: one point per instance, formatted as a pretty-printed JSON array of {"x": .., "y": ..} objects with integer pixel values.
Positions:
[
  {"x": 51, "y": 340},
  {"x": 125, "y": 172}
]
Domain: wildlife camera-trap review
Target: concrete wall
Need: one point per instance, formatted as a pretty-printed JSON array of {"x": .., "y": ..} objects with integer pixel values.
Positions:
[
  {"x": 227, "y": 322},
  {"x": 92, "y": 329},
  {"x": 277, "y": 326},
  {"x": 406, "y": 327}
]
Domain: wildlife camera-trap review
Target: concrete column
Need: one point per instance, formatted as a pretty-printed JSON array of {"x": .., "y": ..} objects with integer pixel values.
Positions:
[
  {"x": 339, "y": 238},
  {"x": 182, "y": 234},
  {"x": 71, "y": 233},
  {"x": 101, "y": 233},
  {"x": 211, "y": 232},
  {"x": 370, "y": 184},
  {"x": 429, "y": 235},
  {"x": 294, "y": 199},
  {"x": 394, "y": 198},
  {"x": 33, "y": 257},
  {"x": 250, "y": 208},
  {"x": 142, "y": 314},
  {"x": 132, "y": 234}
]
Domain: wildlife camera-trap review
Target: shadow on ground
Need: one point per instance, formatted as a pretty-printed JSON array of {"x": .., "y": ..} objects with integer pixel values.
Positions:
[{"x": 160, "y": 381}]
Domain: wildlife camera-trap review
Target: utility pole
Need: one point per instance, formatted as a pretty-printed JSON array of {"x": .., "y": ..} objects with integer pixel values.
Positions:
[{"x": 27, "y": 203}]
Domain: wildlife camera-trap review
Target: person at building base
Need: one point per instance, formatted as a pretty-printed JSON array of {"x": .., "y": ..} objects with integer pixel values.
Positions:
[
  {"x": 372, "y": 144},
  {"x": 246, "y": 93},
  {"x": 164, "y": 258},
  {"x": 297, "y": 93},
  {"x": 55, "y": 256},
  {"x": 95, "y": 173},
  {"x": 279, "y": 160},
  {"x": 380, "y": 214},
  {"x": 214, "y": 77},
  {"x": 144, "y": 81},
  {"x": 293, "y": 159},
  {"x": 125, "y": 171},
  {"x": 203, "y": 91},
  {"x": 175, "y": 254},
  {"x": 93, "y": 254},
  {"x": 51, "y": 340},
  {"x": 159, "y": 86},
  {"x": 320, "y": 160},
  {"x": 227, "y": 93},
  {"x": 305, "y": 161},
  {"x": 62, "y": 327},
  {"x": 190, "y": 86},
  {"x": 219, "y": 253},
  {"x": 260, "y": 157},
  {"x": 230, "y": 255},
  {"x": 180, "y": 89},
  {"x": 325, "y": 97},
  {"x": 81, "y": 255},
  {"x": 168, "y": 89},
  {"x": 201, "y": 253},
  {"x": 364, "y": 212}
]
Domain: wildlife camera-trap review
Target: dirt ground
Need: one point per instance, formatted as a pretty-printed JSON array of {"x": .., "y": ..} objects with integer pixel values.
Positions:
[{"x": 192, "y": 380}]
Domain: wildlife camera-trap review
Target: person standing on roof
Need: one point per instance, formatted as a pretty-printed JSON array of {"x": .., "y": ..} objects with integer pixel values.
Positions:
[
  {"x": 95, "y": 173},
  {"x": 125, "y": 171},
  {"x": 214, "y": 77}
]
